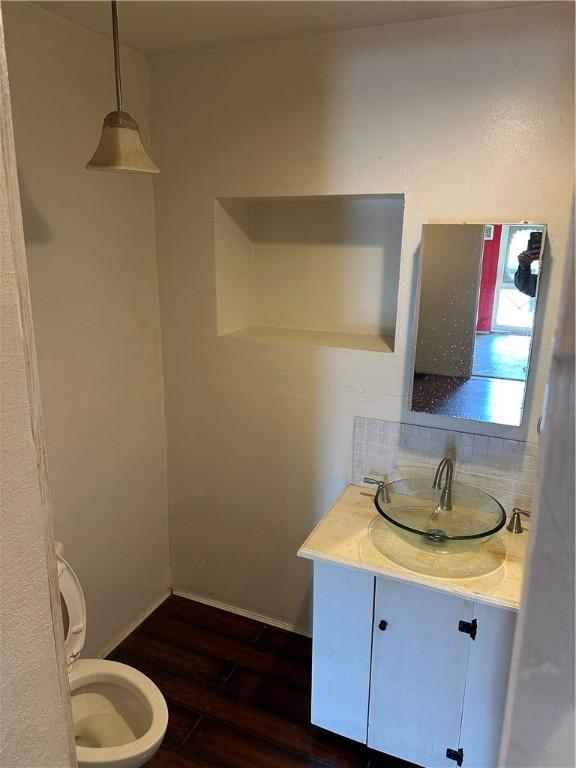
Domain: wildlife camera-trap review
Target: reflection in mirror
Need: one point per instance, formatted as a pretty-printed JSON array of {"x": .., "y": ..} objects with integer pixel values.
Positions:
[{"x": 478, "y": 294}]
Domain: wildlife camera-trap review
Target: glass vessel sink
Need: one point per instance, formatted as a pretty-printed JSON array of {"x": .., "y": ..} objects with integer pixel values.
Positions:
[{"x": 414, "y": 508}]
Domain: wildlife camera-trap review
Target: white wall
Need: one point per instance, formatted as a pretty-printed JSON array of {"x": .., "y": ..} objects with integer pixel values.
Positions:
[
  {"x": 234, "y": 264},
  {"x": 330, "y": 264},
  {"x": 91, "y": 250},
  {"x": 469, "y": 117},
  {"x": 35, "y": 714}
]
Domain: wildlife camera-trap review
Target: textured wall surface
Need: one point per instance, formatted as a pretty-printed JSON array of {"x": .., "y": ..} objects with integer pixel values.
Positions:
[
  {"x": 469, "y": 117},
  {"x": 539, "y": 722},
  {"x": 34, "y": 702},
  {"x": 33, "y": 721},
  {"x": 91, "y": 251}
]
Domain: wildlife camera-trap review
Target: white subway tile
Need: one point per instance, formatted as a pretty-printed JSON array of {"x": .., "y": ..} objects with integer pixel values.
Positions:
[
  {"x": 480, "y": 442},
  {"x": 505, "y": 468}
]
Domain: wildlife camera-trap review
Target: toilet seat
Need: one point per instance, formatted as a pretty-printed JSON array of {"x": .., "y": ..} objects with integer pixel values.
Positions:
[{"x": 75, "y": 610}]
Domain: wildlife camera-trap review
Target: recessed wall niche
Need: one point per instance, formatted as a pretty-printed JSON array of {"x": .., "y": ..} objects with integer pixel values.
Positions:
[{"x": 315, "y": 270}]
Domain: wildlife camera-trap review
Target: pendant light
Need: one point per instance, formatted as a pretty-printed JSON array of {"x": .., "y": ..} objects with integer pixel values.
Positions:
[{"x": 120, "y": 147}]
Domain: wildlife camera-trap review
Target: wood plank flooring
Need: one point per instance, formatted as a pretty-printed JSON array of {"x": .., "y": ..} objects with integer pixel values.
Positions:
[{"x": 238, "y": 693}]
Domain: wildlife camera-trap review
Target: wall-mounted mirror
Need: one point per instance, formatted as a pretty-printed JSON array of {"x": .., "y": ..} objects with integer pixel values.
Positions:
[{"x": 478, "y": 296}]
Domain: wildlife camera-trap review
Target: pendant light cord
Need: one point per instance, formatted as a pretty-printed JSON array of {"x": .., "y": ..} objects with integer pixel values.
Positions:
[{"x": 116, "y": 57}]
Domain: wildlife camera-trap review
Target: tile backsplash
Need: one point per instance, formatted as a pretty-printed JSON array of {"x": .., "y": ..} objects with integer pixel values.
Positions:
[{"x": 389, "y": 450}]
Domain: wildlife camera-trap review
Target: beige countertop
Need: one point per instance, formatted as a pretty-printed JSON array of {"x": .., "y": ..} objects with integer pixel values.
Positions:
[{"x": 353, "y": 534}]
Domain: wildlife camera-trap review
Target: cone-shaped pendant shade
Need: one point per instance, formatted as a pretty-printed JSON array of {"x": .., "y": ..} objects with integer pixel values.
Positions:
[{"x": 121, "y": 147}]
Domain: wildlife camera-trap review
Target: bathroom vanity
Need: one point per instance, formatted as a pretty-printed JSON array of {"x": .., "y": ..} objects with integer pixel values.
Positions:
[{"x": 411, "y": 651}]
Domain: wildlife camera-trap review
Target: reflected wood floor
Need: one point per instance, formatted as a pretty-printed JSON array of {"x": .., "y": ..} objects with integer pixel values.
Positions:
[
  {"x": 497, "y": 400},
  {"x": 238, "y": 693}
]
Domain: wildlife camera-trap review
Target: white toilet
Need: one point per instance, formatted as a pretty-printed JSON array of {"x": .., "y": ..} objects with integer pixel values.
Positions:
[{"x": 120, "y": 716}]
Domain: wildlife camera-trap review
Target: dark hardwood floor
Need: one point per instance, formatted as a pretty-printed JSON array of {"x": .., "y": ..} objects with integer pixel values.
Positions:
[{"x": 238, "y": 693}]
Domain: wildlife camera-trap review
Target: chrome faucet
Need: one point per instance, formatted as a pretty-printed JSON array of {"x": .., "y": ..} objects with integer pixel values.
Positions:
[{"x": 446, "y": 465}]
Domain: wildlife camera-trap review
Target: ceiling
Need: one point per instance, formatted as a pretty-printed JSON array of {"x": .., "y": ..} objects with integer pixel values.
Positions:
[{"x": 171, "y": 26}]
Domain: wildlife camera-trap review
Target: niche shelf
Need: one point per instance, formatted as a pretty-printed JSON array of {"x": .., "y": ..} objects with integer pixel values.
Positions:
[{"x": 320, "y": 271}]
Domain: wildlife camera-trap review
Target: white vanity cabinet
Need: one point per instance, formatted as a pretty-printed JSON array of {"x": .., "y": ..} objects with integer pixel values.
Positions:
[{"x": 416, "y": 672}]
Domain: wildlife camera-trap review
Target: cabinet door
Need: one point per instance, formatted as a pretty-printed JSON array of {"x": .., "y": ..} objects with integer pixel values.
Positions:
[
  {"x": 341, "y": 646},
  {"x": 419, "y": 662},
  {"x": 486, "y": 685}
]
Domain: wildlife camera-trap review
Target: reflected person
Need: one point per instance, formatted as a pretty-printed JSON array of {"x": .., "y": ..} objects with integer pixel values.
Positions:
[{"x": 524, "y": 280}]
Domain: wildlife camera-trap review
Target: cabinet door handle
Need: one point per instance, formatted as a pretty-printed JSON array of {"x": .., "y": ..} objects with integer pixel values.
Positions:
[
  {"x": 469, "y": 628},
  {"x": 456, "y": 754},
  {"x": 383, "y": 625}
]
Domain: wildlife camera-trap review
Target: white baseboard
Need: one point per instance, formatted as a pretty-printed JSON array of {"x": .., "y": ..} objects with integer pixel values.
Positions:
[
  {"x": 290, "y": 627},
  {"x": 115, "y": 642}
]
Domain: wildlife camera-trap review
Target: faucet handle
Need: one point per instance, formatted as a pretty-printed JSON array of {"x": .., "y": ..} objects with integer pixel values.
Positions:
[
  {"x": 381, "y": 488},
  {"x": 515, "y": 524}
]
